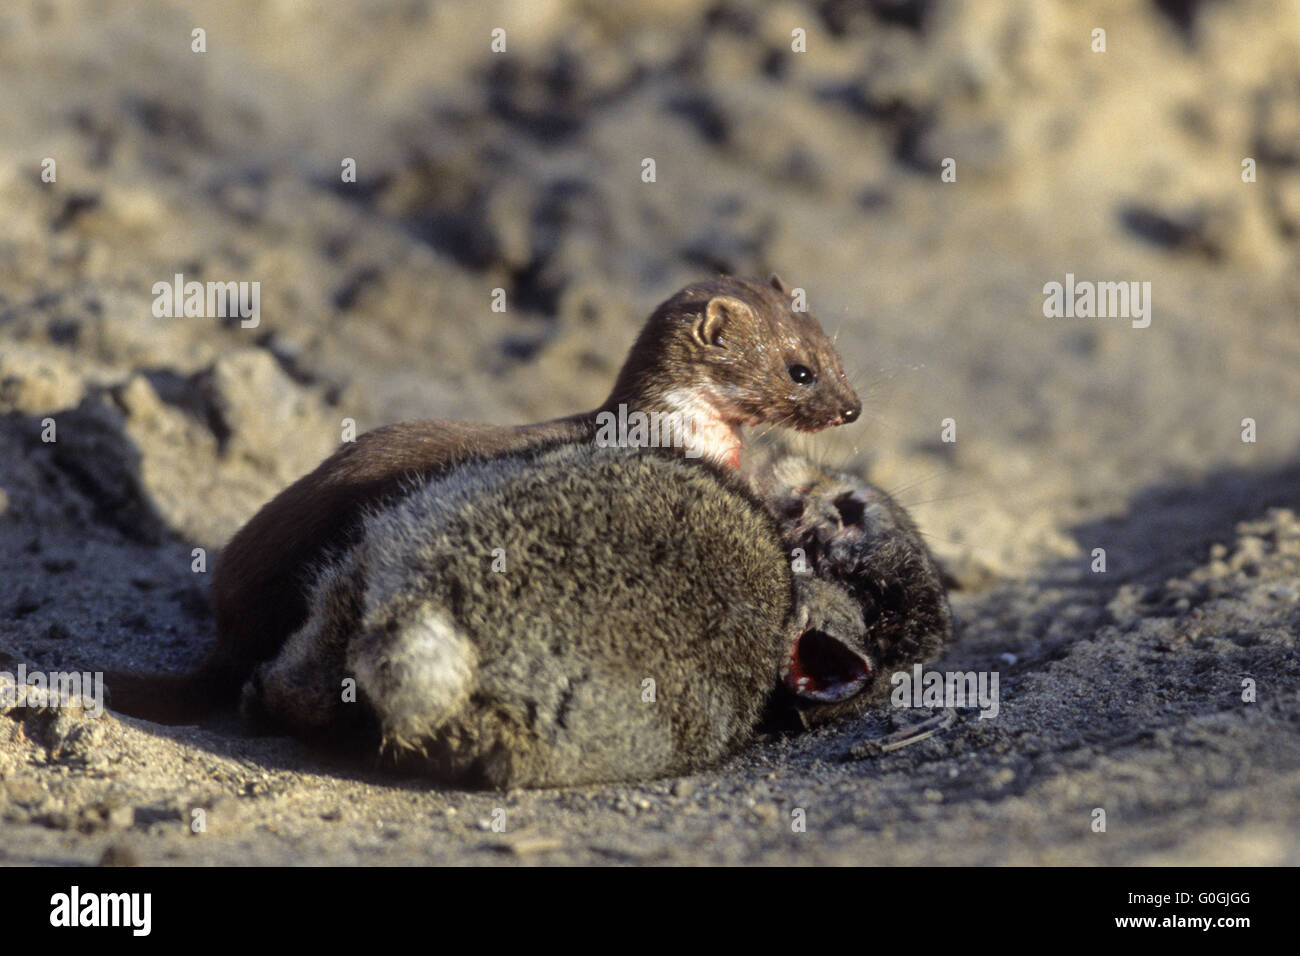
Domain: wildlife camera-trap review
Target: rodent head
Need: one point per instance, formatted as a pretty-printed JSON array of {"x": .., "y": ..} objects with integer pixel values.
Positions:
[
  {"x": 827, "y": 661},
  {"x": 734, "y": 350},
  {"x": 856, "y": 544}
]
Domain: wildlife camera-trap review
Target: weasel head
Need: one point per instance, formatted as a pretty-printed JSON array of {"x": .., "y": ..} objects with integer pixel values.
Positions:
[{"x": 736, "y": 352}]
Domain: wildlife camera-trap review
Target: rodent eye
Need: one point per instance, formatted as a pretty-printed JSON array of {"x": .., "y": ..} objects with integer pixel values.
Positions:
[{"x": 802, "y": 374}]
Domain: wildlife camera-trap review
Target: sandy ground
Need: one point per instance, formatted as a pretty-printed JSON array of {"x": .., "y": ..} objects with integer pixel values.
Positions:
[{"x": 1120, "y": 690}]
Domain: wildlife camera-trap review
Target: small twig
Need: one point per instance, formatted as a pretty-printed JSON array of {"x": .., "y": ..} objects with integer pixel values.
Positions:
[
  {"x": 528, "y": 845},
  {"x": 878, "y": 746}
]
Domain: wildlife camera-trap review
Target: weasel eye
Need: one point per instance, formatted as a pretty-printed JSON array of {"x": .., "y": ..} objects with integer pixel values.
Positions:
[{"x": 802, "y": 375}]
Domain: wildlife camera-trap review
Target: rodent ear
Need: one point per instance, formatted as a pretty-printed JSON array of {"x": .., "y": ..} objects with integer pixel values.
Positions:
[
  {"x": 775, "y": 282},
  {"x": 721, "y": 311}
]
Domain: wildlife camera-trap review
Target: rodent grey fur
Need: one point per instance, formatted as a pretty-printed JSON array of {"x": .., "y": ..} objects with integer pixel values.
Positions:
[{"x": 621, "y": 566}]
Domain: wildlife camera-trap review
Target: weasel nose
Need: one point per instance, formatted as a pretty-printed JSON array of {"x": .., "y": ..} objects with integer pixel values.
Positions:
[{"x": 852, "y": 412}]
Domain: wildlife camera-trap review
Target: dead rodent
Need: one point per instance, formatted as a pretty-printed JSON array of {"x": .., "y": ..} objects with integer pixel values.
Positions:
[
  {"x": 842, "y": 530},
  {"x": 585, "y": 615},
  {"x": 726, "y": 352},
  {"x": 578, "y": 615}
]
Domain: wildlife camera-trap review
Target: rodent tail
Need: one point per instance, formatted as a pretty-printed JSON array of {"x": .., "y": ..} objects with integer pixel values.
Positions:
[{"x": 173, "y": 698}]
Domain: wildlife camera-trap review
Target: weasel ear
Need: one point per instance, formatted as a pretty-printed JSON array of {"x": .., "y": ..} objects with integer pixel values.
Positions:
[
  {"x": 775, "y": 282},
  {"x": 722, "y": 310}
]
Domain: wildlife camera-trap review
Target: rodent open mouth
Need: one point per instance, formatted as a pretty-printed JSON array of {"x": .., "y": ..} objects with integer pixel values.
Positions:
[{"x": 825, "y": 669}]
